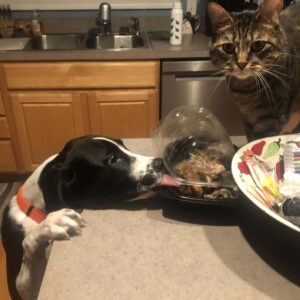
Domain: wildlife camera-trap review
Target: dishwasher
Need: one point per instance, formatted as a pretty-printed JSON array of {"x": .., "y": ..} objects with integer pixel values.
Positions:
[{"x": 194, "y": 83}]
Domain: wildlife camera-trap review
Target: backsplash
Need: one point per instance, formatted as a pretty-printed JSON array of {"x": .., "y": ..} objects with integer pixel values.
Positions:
[{"x": 79, "y": 21}]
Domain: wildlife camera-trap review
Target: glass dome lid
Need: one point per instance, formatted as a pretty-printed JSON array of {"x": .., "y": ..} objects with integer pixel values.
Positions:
[{"x": 195, "y": 147}]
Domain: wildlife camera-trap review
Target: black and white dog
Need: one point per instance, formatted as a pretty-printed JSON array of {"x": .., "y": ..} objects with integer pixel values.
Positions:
[{"x": 88, "y": 168}]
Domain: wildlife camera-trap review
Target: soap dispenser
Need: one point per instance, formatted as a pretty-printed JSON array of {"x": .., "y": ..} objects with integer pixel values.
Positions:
[{"x": 176, "y": 24}]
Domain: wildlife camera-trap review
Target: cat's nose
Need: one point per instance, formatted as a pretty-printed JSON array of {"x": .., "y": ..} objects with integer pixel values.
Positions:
[{"x": 242, "y": 65}]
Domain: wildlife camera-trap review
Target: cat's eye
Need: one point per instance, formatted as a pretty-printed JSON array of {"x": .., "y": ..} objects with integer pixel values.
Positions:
[
  {"x": 257, "y": 46},
  {"x": 113, "y": 159},
  {"x": 228, "y": 48}
]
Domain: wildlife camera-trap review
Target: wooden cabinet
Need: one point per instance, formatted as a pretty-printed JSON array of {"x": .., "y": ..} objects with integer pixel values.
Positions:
[
  {"x": 7, "y": 154},
  {"x": 81, "y": 75},
  {"x": 128, "y": 114},
  {"x": 45, "y": 121},
  {"x": 54, "y": 102}
]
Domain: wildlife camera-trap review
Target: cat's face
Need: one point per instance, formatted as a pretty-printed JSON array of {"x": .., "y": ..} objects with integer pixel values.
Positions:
[{"x": 246, "y": 44}]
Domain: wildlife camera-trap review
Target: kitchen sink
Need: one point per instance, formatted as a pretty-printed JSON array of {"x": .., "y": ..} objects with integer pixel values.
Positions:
[
  {"x": 81, "y": 42},
  {"x": 116, "y": 41},
  {"x": 13, "y": 43},
  {"x": 56, "y": 42}
]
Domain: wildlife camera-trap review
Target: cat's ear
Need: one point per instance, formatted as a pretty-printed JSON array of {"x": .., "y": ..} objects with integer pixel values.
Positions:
[
  {"x": 218, "y": 15},
  {"x": 270, "y": 10}
]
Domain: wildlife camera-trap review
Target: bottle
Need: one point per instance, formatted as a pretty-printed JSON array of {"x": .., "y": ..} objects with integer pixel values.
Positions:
[
  {"x": 176, "y": 24},
  {"x": 36, "y": 24}
]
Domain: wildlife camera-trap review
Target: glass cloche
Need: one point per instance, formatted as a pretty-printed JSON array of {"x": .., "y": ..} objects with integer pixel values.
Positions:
[{"x": 197, "y": 152}]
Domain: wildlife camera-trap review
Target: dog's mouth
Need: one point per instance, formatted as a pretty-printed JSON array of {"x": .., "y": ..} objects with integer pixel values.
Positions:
[
  {"x": 155, "y": 177},
  {"x": 150, "y": 181}
]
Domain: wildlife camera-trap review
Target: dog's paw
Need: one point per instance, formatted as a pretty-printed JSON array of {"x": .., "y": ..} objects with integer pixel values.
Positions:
[{"x": 63, "y": 224}]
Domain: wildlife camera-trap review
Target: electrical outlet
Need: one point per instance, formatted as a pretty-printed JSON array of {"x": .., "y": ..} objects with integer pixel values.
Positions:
[{"x": 191, "y": 5}]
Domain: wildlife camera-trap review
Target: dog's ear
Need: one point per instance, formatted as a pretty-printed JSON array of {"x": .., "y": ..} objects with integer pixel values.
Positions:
[
  {"x": 49, "y": 185},
  {"x": 119, "y": 141},
  {"x": 78, "y": 181},
  {"x": 74, "y": 174}
]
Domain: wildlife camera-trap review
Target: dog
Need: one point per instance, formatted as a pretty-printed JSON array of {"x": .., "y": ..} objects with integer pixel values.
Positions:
[{"x": 89, "y": 168}]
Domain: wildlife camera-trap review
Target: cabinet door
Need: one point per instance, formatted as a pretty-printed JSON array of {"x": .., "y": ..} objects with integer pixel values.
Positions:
[
  {"x": 45, "y": 122},
  {"x": 123, "y": 113},
  {"x": 7, "y": 159}
]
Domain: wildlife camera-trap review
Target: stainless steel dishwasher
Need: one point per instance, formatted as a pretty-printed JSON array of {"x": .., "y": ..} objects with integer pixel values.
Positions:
[{"x": 193, "y": 83}]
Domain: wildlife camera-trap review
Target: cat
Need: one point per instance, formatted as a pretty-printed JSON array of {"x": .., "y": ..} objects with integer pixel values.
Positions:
[{"x": 258, "y": 51}]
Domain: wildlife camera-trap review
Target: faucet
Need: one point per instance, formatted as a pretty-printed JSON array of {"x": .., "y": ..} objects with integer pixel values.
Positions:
[
  {"x": 103, "y": 19},
  {"x": 136, "y": 26}
]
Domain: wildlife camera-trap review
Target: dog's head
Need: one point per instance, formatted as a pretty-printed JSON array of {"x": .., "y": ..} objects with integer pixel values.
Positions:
[{"x": 97, "y": 168}]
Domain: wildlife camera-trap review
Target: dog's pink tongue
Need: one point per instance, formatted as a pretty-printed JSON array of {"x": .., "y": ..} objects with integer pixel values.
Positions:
[{"x": 169, "y": 181}]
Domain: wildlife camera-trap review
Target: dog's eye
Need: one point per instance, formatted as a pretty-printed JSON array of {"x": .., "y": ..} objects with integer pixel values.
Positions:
[{"x": 113, "y": 159}]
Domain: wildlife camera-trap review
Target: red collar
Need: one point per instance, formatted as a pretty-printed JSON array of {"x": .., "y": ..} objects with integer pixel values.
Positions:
[{"x": 34, "y": 213}]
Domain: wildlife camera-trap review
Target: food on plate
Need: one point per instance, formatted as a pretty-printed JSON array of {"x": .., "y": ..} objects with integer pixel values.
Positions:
[{"x": 203, "y": 166}]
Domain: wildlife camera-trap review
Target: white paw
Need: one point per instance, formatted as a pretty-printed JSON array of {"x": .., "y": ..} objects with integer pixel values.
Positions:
[{"x": 63, "y": 224}]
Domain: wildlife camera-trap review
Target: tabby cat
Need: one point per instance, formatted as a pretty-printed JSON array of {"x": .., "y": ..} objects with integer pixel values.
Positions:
[{"x": 257, "y": 51}]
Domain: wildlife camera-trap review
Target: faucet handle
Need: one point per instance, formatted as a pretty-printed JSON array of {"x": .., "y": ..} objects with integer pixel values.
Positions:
[
  {"x": 103, "y": 19},
  {"x": 136, "y": 25},
  {"x": 104, "y": 12}
]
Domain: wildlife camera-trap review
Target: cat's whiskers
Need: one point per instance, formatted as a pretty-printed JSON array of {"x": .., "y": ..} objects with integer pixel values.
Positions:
[
  {"x": 268, "y": 71},
  {"x": 265, "y": 86},
  {"x": 217, "y": 86},
  {"x": 274, "y": 65},
  {"x": 259, "y": 83},
  {"x": 271, "y": 97},
  {"x": 257, "y": 86},
  {"x": 217, "y": 73},
  {"x": 278, "y": 73},
  {"x": 228, "y": 81},
  {"x": 289, "y": 54}
]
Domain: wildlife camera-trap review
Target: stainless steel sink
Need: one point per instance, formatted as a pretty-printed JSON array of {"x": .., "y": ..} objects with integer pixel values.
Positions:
[
  {"x": 56, "y": 42},
  {"x": 116, "y": 41},
  {"x": 13, "y": 43},
  {"x": 76, "y": 42}
]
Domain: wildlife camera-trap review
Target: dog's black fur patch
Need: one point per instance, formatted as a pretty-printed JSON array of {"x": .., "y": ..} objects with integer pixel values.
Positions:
[{"x": 84, "y": 172}]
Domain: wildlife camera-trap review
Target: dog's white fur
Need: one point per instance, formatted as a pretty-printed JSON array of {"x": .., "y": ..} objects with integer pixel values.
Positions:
[{"x": 58, "y": 225}]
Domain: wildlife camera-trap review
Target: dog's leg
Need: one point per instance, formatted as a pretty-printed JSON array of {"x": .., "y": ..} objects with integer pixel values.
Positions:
[{"x": 59, "y": 225}]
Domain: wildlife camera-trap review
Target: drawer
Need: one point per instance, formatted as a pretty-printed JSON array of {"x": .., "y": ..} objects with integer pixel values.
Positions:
[
  {"x": 7, "y": 158},
  {"x": 81, "y": 75},
  {"x": 4, "y": 131},
  {"x": 2, "y": 112}
]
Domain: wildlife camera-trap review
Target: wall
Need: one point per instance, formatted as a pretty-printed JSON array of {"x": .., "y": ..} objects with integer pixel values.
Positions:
[
  {"x": 160, "y": 17},
  {"x": 93, "y": 13}
]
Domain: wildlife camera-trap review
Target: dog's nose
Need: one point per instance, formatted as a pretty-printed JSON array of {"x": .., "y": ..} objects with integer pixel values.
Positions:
[
  {"x": 158, "y": 164},
  {"x": 148, "y": 180}
]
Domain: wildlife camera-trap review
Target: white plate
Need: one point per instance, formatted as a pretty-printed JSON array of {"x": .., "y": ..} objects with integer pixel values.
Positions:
[{"x": 271, "y": 158}]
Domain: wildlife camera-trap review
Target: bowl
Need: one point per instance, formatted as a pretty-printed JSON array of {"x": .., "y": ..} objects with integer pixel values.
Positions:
[{"x": 258, "y": 169}]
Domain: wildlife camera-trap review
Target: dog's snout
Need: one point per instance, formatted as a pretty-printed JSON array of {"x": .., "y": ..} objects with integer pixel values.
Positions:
[
  {"x": 148, "y": 180},
  {"x": 158, "y": 164}
]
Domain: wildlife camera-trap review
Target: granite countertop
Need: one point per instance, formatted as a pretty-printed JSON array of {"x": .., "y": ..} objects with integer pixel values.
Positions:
[
  {"x": 160, "y": 249},
  {"x": 193, "y": 46}
]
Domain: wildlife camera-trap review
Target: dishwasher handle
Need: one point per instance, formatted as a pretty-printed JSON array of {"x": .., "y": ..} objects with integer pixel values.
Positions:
[
  {"x": 188, "y": 66},
  {"x": 180, "y": 78}
]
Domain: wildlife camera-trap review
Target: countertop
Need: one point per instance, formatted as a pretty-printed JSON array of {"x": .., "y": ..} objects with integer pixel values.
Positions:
[
  {"x": 161, "y": 249},
  {"x": 193, "y": 46}
]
